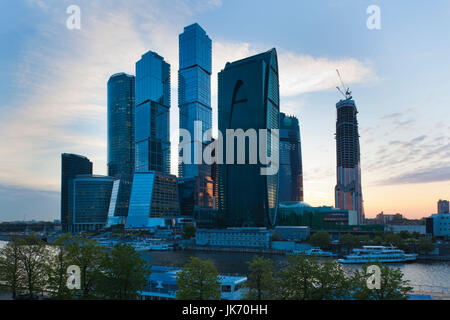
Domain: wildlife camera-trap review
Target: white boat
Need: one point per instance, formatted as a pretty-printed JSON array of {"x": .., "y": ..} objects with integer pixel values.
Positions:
[
  {"x": 378, "y": 253},
  {"x": 316, "y": 252}
]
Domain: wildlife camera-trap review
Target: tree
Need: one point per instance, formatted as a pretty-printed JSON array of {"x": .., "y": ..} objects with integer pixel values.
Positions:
[
  {"x": 34, "y": 256},
  {"x": 57, "y": 269},
  {"x": 377, "y": 240},
  {"x": 188, "y": 231},
  {"x": 424, "y": 245},
  {"x": 392, "y": 285},
  {"x": 260, "y": 281},
  {"x": 363, "y": 239},
  {"x": 199, "y": 280},
  {"x": 124, "y": 273},
  {"x": 331, "y": 283},
  {"x": 404, "y": 234},
  {"x": 88, "y": 256},
  {"x": 10, "y": 268},
  {"x": 347, "y": 241},
  {"x": 321, "y": 239},
  {"x": 394, "y": 239},
  {"x": 296, "y": 281}
]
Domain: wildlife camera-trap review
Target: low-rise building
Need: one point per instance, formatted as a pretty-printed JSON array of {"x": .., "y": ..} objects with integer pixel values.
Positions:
[
  {"x": 397, "y": 228},
  {"x": 162, "y": 285},
  {"x": 291, "y": 233},
  {"x": 234, "y": 237},
  {"x": 438, "y": 225}
]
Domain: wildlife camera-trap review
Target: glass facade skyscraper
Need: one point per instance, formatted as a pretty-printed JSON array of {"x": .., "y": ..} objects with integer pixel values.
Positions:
[
  {"x": 248, "y": 99},
  {"x": 89, "y": 202},
  {"x": 152, "y": 135},
  {"x": 121, "y": 145},
  {"x": 194, "y": 101},
  {"x": 291, "y": 172},
  {"x": 71, "y": 166},
  {"x": 154, "y": 200},
  {"x": 348, "y": 191}
]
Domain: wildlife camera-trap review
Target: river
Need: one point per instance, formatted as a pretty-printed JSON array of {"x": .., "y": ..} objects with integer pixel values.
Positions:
[{"x": 432, "y": 273}]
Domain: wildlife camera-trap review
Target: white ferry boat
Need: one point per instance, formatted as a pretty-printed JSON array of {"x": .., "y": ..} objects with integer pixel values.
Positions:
[
  {"x": 316, "y": 252},
  {"x": 378, "y": 253},
  {"x": 150, "y": 246}
]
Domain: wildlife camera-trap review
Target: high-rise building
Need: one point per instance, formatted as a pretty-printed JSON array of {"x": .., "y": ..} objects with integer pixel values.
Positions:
[
  {"x": 443, "y": 206},
  {"x": 121, "y": 151},
  {"x": 194, "y": 101},
  {"x": 152, "y": 126},
  {"x": 89, "y": 202},
  {"x": 71, "y": 166},
  {"x": 154, "y": 200},
  {"x": 348, "y": 191},
  {"x": 248, "y": 99},
  {"x": 291, "y": 172}
]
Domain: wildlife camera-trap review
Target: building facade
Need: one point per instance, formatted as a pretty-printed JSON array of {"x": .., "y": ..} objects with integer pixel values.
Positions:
[
  {"x": 291, "y": 172},
  {"x": 248, "y": 99},
  {"x": 439, "y": 225},
  {"x": 348, "y": 191},
  {"x": 443, "y": 206},
  {"x": 154, "y": 200},
  {"x": 71, "y": 166},
  {"x": 194, "y": 102},
  {"x": 234, "y": 237},
  {"x": 152, "y": 114},
  {"x": 121, "y": 145},
  {"x": 89, "y": 203}
]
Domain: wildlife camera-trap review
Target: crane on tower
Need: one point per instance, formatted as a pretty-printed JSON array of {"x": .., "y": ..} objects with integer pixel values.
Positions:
[{"x": 345, "y": 91}]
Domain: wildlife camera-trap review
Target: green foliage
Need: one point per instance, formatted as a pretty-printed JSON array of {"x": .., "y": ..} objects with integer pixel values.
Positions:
[
  {"x": 188, "y": 231},
  {"x": 10, "y": 269},
  {"x": 395, "y": 240},
  {"x": 425, "y": 245},
  {"x": 377, "y": 240},
  {"x": 88, "y": 255},
  {"x": 347, "y": 241},
  {"x": 260, "y": 282},
  {"x": 321, "y": 239},
  {"x": 296, "y": 281},
  {"x": 199, "y": 280},
  {"x": 404, "y": 234},
  {"x": 124, "y": 273},
  {"x": 393, "y": 286}
]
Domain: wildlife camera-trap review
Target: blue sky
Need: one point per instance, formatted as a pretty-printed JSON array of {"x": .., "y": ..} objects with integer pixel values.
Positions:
[{"x": 53, "y": 87}]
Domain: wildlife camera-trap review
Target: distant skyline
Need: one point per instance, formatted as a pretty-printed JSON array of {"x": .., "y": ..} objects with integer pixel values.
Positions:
[{"x": 54, "y": 88}]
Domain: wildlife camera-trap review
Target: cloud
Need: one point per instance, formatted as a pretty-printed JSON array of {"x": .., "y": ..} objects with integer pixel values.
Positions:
[{"x": 434, "y": 174}]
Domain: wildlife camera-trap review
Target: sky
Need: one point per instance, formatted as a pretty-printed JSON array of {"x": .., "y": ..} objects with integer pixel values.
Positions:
[{"x": 53, "y": 88}]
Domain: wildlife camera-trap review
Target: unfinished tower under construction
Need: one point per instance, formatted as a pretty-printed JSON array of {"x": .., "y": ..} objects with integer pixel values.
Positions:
[{"x": 348, "y": 191}]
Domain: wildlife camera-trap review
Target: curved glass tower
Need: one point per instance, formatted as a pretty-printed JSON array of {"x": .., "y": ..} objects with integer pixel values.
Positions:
[
  {"x": 121, "y": 96},
  {"x": 348, "y": 192},
  {"x": 248, "y": 99},
  {"x": 291, "y": 173}
]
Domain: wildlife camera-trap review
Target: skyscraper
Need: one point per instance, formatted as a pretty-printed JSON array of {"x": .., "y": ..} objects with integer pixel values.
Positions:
[
  {"x": 89, "y": 202},
  {"x": 291, "y": 172},
  {"x": 348, "y": 192},
  {"x": 152, "y": 135},
  {"x": 443, "y": 206},
  {"x": 121, "y": 151},
  {"x": 248, "y": 99},
  {"x": 194, "y": 101},
  {"x": 71, "y": 166}
]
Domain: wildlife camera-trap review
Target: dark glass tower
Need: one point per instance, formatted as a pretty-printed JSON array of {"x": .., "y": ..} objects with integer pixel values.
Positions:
[
  {"x": 248, "y": 99},
  {"x": 348, "y": 192},
  {"x": 121, "y": 89},
  {"x": 71, "y": 166},
  {"x": 194, "y": 101},
  {"x": 291, "y": 172},
  {"x": 152, "y": 135}
]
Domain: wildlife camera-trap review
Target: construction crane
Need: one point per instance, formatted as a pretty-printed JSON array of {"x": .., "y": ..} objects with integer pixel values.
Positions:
[{"x": 348, "y": 94}]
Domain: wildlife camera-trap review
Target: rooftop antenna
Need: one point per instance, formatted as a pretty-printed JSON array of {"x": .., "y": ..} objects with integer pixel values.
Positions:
[{"x": 348, "y": 94}]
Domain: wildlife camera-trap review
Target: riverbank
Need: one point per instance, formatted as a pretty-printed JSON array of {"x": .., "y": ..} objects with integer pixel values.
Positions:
[{"x": 433, "y": 258}]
